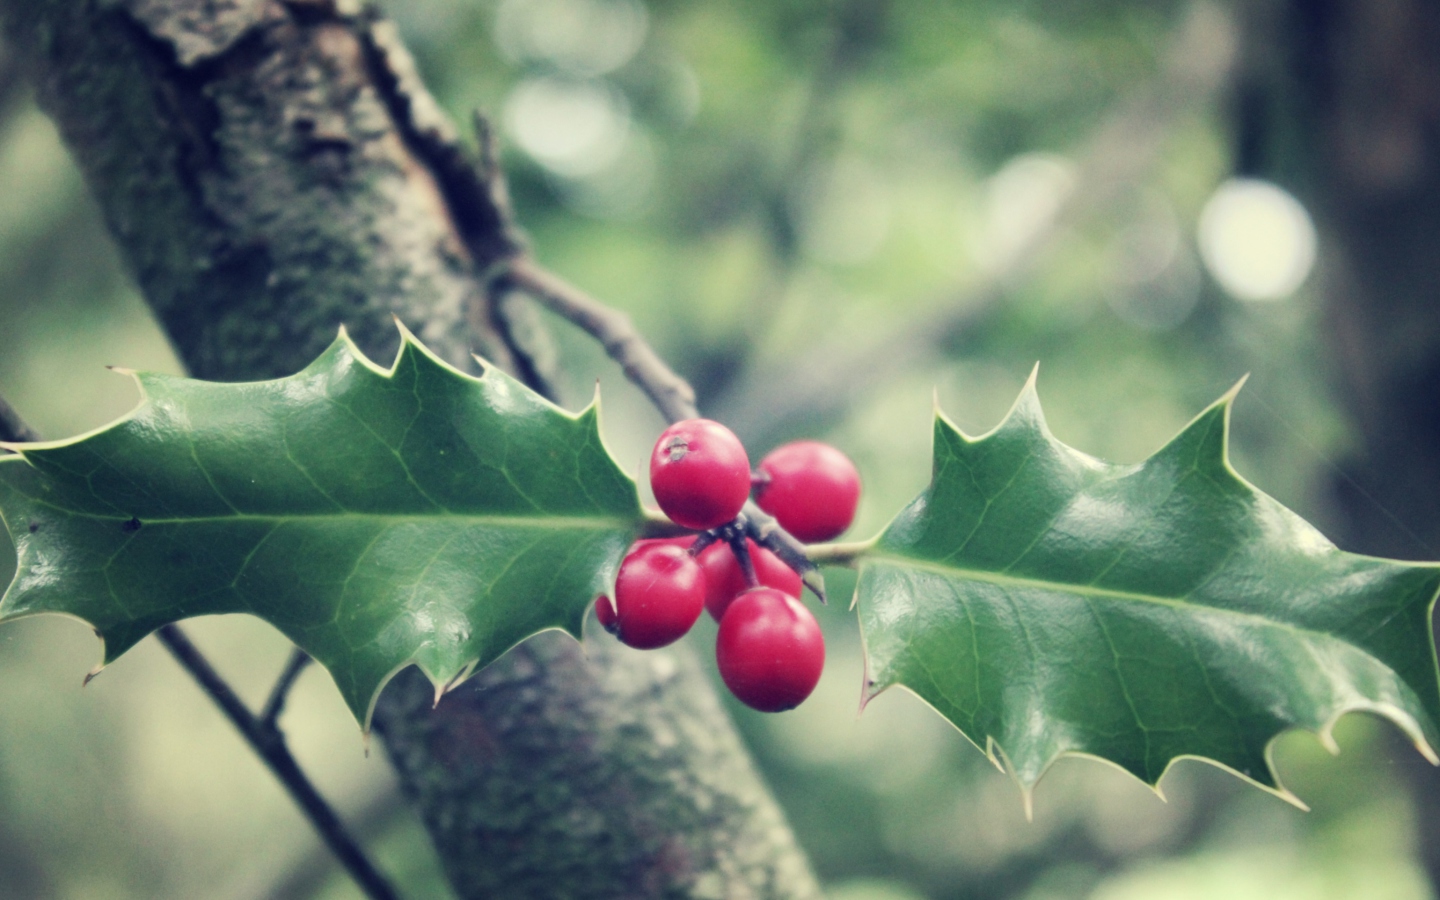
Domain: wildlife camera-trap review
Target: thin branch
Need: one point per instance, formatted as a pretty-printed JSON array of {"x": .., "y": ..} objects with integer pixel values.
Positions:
[
  {"x": 275, "y": 703},
  {"x": 1201, "y": 58},
  {"x": 670, "y": 393},
  {"x": 269, "y": 744},
  {"x": 308, "y": 874},
  {"x": 363, "y": 85}
]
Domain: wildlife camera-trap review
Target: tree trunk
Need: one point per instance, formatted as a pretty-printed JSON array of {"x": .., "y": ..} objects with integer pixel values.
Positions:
[
  {"x": 1344, "y": 99},
  {"x": 272, "y": 170}
]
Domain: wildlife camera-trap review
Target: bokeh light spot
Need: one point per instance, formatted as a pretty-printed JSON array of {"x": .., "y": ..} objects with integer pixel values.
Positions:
[
  {"x": 1256, "y": 240},
  {"x": 582, "y": 37},
  {"x": 1021, "y": 202},
  {"x": 573, "y": 128}
]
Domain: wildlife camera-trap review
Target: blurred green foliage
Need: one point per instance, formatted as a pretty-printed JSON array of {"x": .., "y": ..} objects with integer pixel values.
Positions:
[{"x": 769, "y": 189}]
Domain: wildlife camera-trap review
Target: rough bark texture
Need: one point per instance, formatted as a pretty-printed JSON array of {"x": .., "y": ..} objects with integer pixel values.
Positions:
[
  {"x": 642, "y": 793},
  {"x": 251, "y": 162},
  {"x": 272, "y": 170}
]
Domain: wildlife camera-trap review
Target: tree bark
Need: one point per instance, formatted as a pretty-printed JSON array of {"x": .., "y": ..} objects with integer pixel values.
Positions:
[
  {"x": 1343, "y": 102},
  {"x": 273, "y": 170},
  {"x": 1362, "y": 91}
]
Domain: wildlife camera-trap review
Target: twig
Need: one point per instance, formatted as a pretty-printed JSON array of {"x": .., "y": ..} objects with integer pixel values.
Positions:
[
  {"x": 275, "y": 703},
  {"x": 670, "y": 393},
  {"x": 1202, "y": 56},
  {"x": 307, "y": 875},
  {"x": 269, "y": 744}
]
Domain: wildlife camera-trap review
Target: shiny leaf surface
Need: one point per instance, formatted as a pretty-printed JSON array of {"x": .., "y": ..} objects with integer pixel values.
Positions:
[
  {"x": 376, "y": 518},
  {"x": 1046, "y": 602}
]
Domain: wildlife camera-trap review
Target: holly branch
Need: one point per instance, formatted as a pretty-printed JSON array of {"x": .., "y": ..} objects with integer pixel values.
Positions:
[{"x": 244, "y": 193}]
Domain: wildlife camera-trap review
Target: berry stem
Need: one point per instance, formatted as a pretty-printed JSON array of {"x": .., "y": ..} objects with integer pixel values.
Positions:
[
  {"x": 845, "y": 553},
  {"x": 766, "y": 532},
  {"x": 703, "y": 540},
  {"x": 742, "y": 556}
]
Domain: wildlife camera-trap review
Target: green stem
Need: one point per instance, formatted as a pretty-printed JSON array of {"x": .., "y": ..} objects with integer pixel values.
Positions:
[{"x": 847, "y": 553}]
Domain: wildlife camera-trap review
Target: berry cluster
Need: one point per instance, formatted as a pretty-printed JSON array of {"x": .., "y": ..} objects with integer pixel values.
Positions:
[{"x": 769, "y": 648}]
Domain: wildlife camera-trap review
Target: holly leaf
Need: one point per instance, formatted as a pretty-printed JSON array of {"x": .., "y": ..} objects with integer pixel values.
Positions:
[
  {"x": 377, "y": 518},
  {"x": 1048, "y": 603}
]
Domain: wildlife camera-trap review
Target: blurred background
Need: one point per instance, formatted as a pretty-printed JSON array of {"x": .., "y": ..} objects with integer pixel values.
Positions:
[{"x": 828, "y": 216}]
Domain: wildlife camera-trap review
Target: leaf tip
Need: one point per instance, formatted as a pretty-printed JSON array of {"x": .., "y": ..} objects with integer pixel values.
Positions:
[
  {"x": 867, "y": 693},
  {"x": 869, "y": 687},
  {"x": 341, "y": 353},
  {"x": 446, "y": 685},
  {"x": 1405, "y": 722},
  {"x": 1327, "y": 738},
  {"x": 1030, "y": 390},
  {"x": 136, "y": 376},
  {"x": 1229, "y": 396},
  {"x": 91, "y": 675},
  {"x": 1284, "y": 794},
  {"x": 1025, "y": 412},
  {"x": 410, "y": 344},
  {"x": 813, "y": 580},
  {"x": 1428, "y": 752},
  {"x": 996, "y": 754}
]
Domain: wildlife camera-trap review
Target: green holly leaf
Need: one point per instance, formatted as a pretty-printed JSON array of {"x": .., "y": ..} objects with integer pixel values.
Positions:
[
  {"x": 377, "y": 518},
  {"x": 1049, "y": 603}
]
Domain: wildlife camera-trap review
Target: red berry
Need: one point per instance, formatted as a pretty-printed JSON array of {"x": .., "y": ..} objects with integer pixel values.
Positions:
[
  {"x": 683, "y": 542},
  {"x": 770, "y": 650},
  {"x": 724, "y": 578},
  {"x": 658, "y": 595},
  {"x": 700, "y": 473},
  {"x": 810, "y": 488},
  {"x": 605, "y": 612}
]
